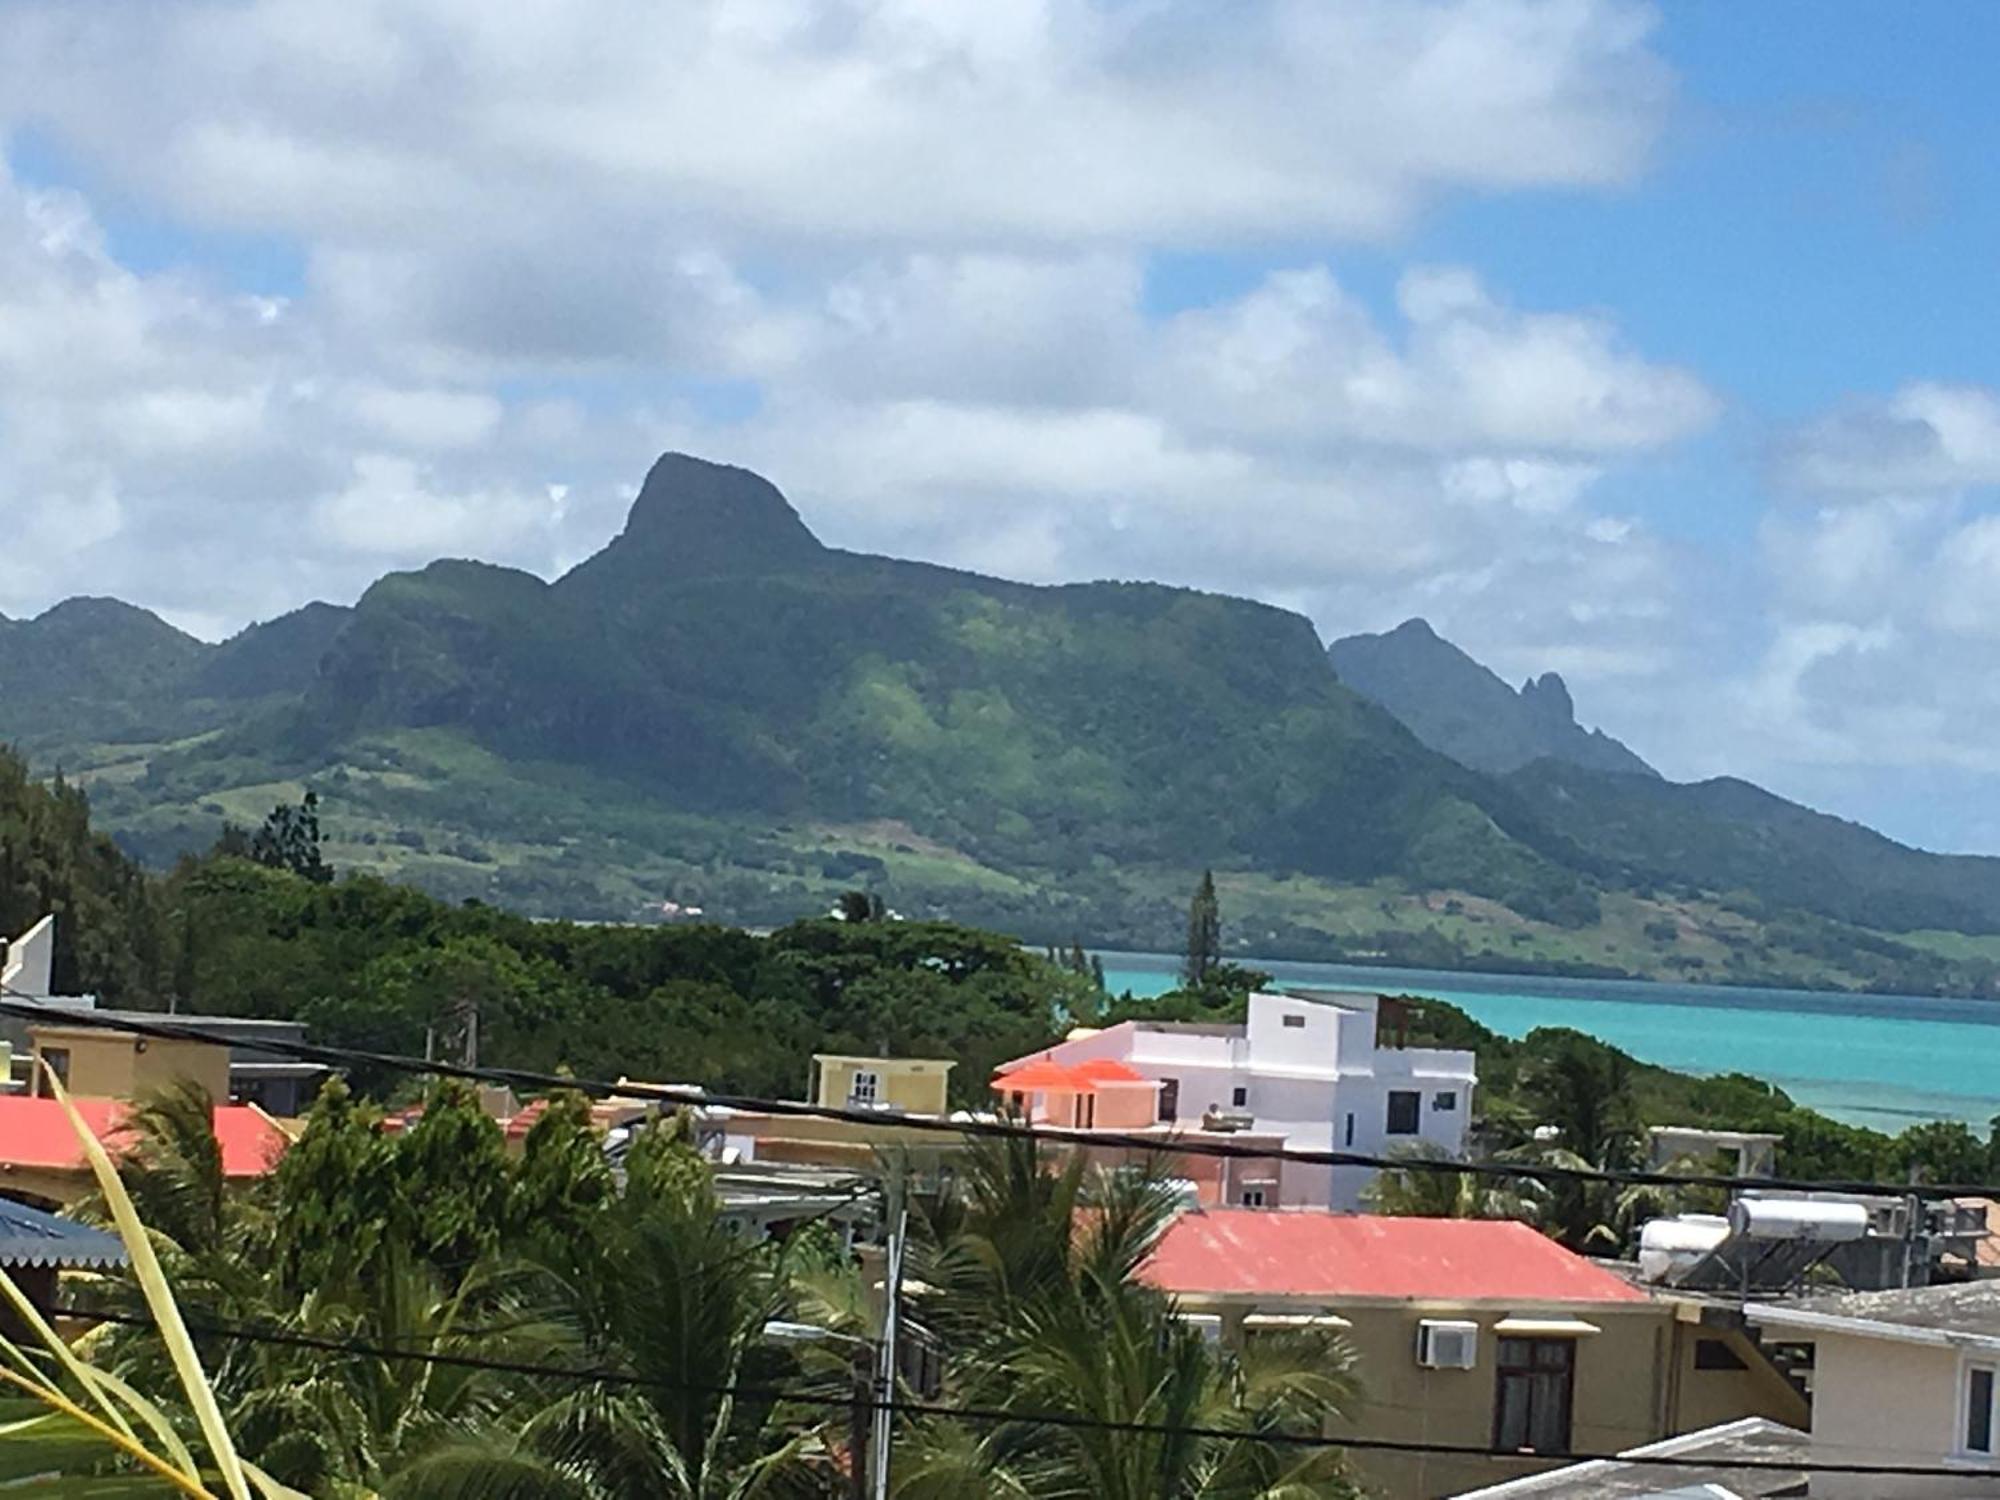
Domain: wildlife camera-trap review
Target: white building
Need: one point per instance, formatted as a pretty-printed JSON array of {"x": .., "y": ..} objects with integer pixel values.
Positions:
[
  {"x": 1900, "y": 1377},
  {"x": 1322, "y": 1070}
]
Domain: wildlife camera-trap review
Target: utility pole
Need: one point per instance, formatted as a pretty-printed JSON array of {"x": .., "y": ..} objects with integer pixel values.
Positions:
[{"x": 885, "y": 1353}]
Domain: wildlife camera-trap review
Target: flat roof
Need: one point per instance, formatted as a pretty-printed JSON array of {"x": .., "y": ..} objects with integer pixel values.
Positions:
[
  {"x": 1334, "y": 1256},
  {"x": 1756, "y": 1439},
  {"x": 1953, "y": 1312},
  {"x": 887, "y": 1062}
]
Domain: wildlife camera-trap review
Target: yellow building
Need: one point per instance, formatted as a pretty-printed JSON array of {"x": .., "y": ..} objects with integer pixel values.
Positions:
[
  {"x": 1474, "y": 1334},
  {"x": 914, "y": 1085},
  {"x": 95, "y": 1063}
]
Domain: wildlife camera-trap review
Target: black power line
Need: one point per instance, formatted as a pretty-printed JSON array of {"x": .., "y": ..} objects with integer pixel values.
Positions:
[
  {"x": 848, "y": 1401},
  {"x": 972, "y": 1126}
]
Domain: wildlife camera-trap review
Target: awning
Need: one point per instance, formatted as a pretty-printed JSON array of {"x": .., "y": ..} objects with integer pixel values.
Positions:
[
  {"x": 1545, "y": 1328},
  {"x": 1295, "y": 1320}
]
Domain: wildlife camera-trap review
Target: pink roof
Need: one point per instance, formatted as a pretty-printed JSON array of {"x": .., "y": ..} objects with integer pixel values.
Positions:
[
  {"x": 1279, "y": 1254},
  {"x": 1039, "y": 1075},
  {"x": 36, "y": 1133},
  {"x": 1109, "y": 1070}
]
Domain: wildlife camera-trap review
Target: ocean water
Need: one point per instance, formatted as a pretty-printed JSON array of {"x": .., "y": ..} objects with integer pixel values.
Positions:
[{"x": 1884, "y": 1061}]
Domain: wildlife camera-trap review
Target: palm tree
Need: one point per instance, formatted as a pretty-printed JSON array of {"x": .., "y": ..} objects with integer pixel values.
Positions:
[
  {"x": 674, "y": 1311},
  {"x": 1420, "y": 1192},
  {"x": 1037, "y": 1293},
  {"x": 1582, "y": 1090}
]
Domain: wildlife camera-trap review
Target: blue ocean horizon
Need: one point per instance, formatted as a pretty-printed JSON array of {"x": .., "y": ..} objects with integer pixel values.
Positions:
[{"x": 1885, "y": 1061}]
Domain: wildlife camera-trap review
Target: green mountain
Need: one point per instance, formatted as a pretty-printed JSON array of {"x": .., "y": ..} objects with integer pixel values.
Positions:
[
  {"x": 717, "y": 657},
  {"x": 1462, "y": 709},
  {"x": 719, "y": 711}
]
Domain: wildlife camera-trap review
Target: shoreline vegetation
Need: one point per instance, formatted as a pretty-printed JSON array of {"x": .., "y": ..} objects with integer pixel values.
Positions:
[{"x": 261, "y": 926}]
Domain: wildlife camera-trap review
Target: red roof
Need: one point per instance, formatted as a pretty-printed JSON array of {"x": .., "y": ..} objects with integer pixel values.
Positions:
[
  {"x": 1109, "y": 1070},
  {"x": 36, "y": 1133},
  {"x": 1281, "y": 1254},
  {"x": 1041, "y": 1076}
]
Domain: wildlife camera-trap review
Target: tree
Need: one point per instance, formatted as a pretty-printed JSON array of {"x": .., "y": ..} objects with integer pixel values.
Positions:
[
  {"x": 1582, "y": 1091},
  {"x": 1204, "y": 935},
  {"x": 1036, "y": 1299},
  {"x": 290, "y": 840},
  {"x": 1429, "y": 1193}
]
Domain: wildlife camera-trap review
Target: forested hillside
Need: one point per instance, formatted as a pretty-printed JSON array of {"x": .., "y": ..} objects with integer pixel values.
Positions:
[{"x": 718, "y": 711}]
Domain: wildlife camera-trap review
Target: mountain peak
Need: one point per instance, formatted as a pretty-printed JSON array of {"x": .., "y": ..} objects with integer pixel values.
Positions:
[
  {"x": 694, "y": 517},
  {"x": 1461, "y": 709},
  {"x": 1547, "y": 700}
]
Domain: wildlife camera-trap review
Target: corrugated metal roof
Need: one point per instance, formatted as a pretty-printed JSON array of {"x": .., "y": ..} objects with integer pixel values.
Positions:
[
  {"x": 1332, "y": 1256},
  {"x": 29, "y": 1237}
]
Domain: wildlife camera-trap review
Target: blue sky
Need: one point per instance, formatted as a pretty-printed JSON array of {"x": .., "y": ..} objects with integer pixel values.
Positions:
[{"x": 1656, "y": 346}]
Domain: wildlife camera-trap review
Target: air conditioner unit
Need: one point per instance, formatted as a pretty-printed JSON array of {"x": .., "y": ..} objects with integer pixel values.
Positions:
[{"x": 1447, "y": 1345}]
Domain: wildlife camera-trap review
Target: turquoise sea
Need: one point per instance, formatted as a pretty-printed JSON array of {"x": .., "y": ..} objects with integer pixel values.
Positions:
[{"x": 1884, "y": 1061}]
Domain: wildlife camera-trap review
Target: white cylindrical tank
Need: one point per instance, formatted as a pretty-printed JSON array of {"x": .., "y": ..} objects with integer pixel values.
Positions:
[
  {"x": 1798, "y": 1219},
  {"x": 1667, "y": 1246}
]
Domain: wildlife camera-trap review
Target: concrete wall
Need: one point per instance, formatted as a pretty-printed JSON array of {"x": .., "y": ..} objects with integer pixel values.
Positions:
[
  {"x": 1698, "y": 1399},
  {"x": 118, "y": 1065},
  {"x": 1619, "y": 1395},
  {"x": 913, "y": 1084},
  {"x": 1883, "y": 1401}
]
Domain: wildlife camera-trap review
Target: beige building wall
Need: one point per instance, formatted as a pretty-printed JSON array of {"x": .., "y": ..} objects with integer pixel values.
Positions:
[
  {"x": 916, "y": 1085},
  {"x": 117, "y": 1065},
  {"x": 1699, "y": 1398},
  {"x": 1884, "y": 1401},
  {"x": 1626, "y": 1392}
]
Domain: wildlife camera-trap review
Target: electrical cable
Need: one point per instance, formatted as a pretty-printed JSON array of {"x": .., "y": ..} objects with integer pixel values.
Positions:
[
  {"x": 693, "y": 1096},
  {"x": 984, "y": 1414}
]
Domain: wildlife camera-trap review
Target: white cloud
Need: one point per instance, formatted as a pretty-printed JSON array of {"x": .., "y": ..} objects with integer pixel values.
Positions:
[
  {"x": 1299, "y": 356},
  {"x": 1924, "y": 438},
  {"x": 394, "y": 509},
  {"x": 1000, "y": 122}
]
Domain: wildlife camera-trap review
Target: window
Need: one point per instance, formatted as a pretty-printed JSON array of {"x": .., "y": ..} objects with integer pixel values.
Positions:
[
  {"x": 1295, "y": 1021},
  {"x": 1239, "y": 1097},
  {"x": 864, "y": 1087},
  {"x": 57, "y": 1059},
  {"x": 1531, "y": 1401},
  {"x": 1978, "y": 1428},
  {"x": 1445, "y": 1101},
  {"x": 1349, "y": 1140},
  {"x": 1086, "y": 1111},
  {"x": 1253, "y": 1197},
  {"x": 1714, "y": 1354},
  {"x": 1170, "y": 1098},
  {"x": 1404, "y": 1105}
]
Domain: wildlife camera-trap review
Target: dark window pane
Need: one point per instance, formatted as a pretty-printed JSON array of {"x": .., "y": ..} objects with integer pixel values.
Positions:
[
  {"x": 1548, "y": 1426},
  {"x": 1403, "y": 1111},
  {"x": 1978, "y": 1410},
  {"x": 1510, "y": 1418},
  {"x": 1532, "y": 1399},
  {"x": 1240, "y": 1097}
]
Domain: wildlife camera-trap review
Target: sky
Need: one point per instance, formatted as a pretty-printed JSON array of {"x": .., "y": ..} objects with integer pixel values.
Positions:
[{"x": 1657, "y": 346}]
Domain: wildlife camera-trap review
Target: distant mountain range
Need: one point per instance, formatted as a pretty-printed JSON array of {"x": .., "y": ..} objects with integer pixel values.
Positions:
[
  {"x": 720, "y": 709},
  {"x": 1464, "y": 710}
]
